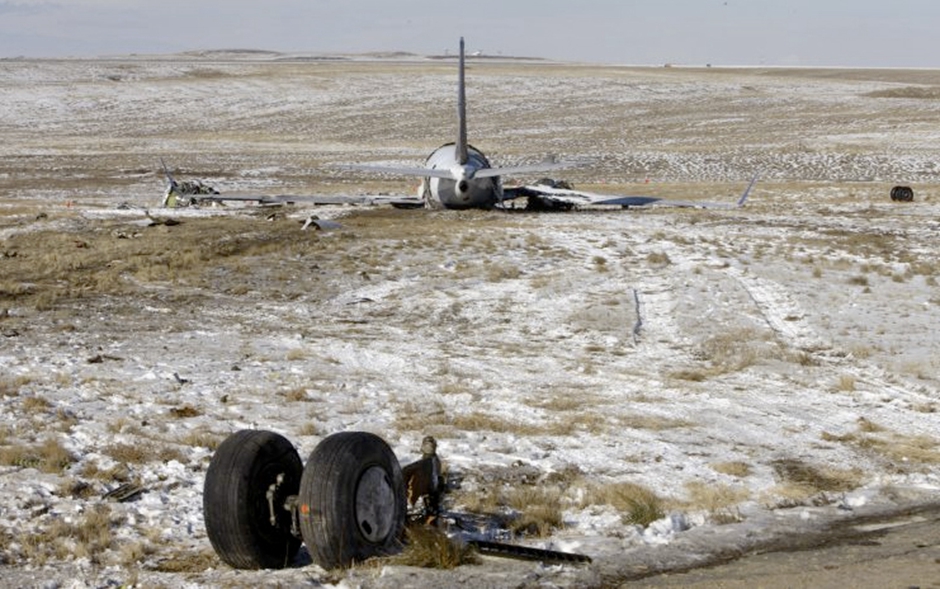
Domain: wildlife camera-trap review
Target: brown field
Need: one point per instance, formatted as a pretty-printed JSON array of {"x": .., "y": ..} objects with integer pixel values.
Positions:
[{"x": 786, "y": 356}]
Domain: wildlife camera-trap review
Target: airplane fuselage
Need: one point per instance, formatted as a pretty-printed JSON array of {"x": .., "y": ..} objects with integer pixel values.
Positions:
[
  {"x": 463, "y": 190},
  {"x": 457, "y": 175}
]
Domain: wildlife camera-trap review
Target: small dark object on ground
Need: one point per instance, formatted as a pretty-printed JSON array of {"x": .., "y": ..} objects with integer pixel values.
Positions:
[
  {"x": 124, "y": 493},
  {"x": 902, "y": 194}
]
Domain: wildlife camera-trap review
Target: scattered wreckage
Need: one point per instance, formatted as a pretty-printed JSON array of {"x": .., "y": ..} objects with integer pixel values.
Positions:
[
  {"x": 351, "y": 502},
  {"x": 186, "y": 193}
]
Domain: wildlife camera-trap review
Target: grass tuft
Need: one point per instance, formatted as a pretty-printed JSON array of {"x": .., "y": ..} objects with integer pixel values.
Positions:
[
  {"x": 735, "y": 469},
  {"x": 50, "y": 456},
  {"x": 637, "y": 504},
  {"x": 539, "y": 510},
  {"x": 813, "y": 479},
  {"x": 429, "y": 547}
]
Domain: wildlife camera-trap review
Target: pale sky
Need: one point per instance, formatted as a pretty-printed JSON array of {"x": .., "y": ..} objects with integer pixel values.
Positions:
[{"x": 859, "y": 33}]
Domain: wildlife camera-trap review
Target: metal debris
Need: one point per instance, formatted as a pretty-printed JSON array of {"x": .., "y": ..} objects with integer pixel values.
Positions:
[
  {"x": 124, "y": 493},
  {"x": 425, "y": 487}
]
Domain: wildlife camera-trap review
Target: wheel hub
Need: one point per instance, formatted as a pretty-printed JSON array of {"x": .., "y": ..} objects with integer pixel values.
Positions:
[{"x": 375, "y": 505}]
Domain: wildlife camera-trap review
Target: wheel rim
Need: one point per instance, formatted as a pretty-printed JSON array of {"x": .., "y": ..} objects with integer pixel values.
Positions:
[{"x": 375, "y": 505}]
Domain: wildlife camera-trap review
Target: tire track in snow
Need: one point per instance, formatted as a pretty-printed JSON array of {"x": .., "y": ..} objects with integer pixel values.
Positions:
[
  {"x": 871, "y": 386},
  {"x": 784, "y": 316},
  {"x": 749, "y": 407}
]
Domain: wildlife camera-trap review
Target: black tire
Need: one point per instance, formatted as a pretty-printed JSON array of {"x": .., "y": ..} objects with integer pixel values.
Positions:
[
  {"x": 235, "y": 504},
  {"x": 902, "y": 194},
  {"x": 352, "y": 500}
]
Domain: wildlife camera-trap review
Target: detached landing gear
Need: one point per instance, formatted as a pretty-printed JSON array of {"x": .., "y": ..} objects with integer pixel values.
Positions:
[
  {"x": 350, "y": 503},
  {"x": 352, "y": 500},
  {"x": 250, "y": 481},
  {"x": 347, "y": 505}
]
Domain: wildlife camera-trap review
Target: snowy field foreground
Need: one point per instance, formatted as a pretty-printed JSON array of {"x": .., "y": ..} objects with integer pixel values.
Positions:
[{"x": 761, "y": 372}]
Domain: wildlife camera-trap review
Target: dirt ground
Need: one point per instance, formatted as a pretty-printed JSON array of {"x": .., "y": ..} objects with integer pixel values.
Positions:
[{"x": 901, "y": 550}]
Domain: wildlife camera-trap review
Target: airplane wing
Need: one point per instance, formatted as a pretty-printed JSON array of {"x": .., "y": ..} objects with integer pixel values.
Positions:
[
  {"x": 195, "y": 192},
  {"x": 534, "y": 168},
  {"x": 448, "y": 174},
  {"x": 416, "y": 172},
  {"x": 549, "y": 196},
  {"x": 274, "y": 199}
]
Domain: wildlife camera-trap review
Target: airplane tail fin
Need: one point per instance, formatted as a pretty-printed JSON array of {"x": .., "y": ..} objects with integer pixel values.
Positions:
[
  {"x": 461, "y": 145},
  {"x": 172, "y": 188},
  {"x": 170, "y": 182}
]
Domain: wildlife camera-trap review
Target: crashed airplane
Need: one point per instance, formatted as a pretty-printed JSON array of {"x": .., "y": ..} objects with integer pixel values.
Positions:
[{"x": 459, "y": 176}]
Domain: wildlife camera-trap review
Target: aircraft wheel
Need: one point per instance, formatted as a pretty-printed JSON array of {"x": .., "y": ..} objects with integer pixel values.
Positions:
[
  {"x": 902, "y": 193},
  {"x": 352, "y": 500},
  {"x": 236, "y": 508}
]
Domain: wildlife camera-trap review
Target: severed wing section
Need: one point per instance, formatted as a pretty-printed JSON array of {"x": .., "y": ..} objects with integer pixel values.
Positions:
[
  {"x": 563, "y": 197},
  {"x": 274, "y": 199},
  {"x": 194, "y": 193}
]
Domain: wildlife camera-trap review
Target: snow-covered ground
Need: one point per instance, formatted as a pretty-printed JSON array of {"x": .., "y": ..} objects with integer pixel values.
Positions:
[{"x": 762, "y": 370}]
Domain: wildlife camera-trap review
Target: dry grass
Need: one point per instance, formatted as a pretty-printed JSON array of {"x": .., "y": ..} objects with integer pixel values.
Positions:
[
  {"x": 13, "y": 386},
  {"x": 142, "y": 453},
  {"x": 118, "y": 473},
  {"x": 185, "y": 411},
  {"x": 652, "y": 422},
  {"x": 432, "y": 417},
  {"x": 900, "y": 450},
  {"x": 313, "y": 427},
  {"x": 6, "y": 541},
  {"x": 904, "y": 449},
  {"x": 564, "y": 402},
  {"x": 637, "y": 504},
  {"x": 117, "y": 258},
  {"x": 730, "y": 351},
  {"x": 499, "y": 272},
  {"x": 810, "y": 479},
  {"x": 50, "y": 456},
  {"x": 35, "y": 405},
  {"x": 715, "y": 498},
  {"x": 76, "y": 489},
  {"x": 186, "y": 561},
  {"x": 868, "y": 426},
  {"x": 88, "y": 537},
  {"x": 296, "y": 395},
  {"x": 859, "y": 280},
  {"x": 131, "y": 555},
  {"x": 916, "y": 92},
  {"x": 566, "y": 416},
  {"x": 296, "y": 354},
  {"x": 525, "y": 508},
  {"x": 658, "y": 259},
  {"x": 734, "y": 350},
  {"x": 201, "y": 439},
  {"x": 479, "y": 421},
  {"x": 735, "y": 469},
  {"x": 429, "y": 547},
  {"x": 539, "y": 509},
  {"x": 846, "y": 383},
  {"x": 521, "y": 498}
]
